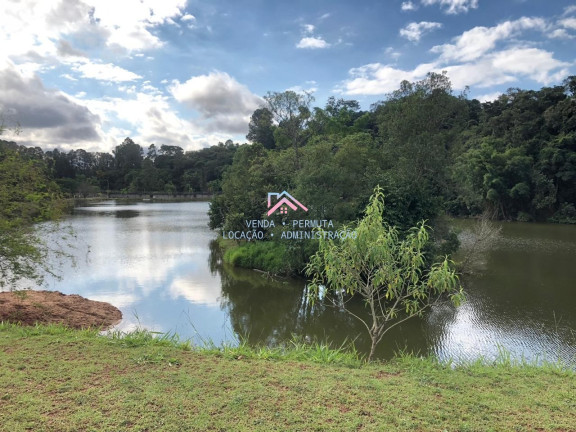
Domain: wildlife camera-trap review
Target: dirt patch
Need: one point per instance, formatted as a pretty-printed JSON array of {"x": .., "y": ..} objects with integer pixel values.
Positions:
[{"x": 31, "y": 307}]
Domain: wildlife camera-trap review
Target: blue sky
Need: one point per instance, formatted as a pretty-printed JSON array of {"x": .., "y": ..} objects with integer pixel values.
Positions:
[{"x": 86, "y": 74}]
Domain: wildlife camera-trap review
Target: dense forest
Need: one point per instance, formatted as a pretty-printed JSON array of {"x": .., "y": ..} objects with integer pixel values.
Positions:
[
  {"x": 432, "y": 151},
  {"x": 130, "y": 169}
]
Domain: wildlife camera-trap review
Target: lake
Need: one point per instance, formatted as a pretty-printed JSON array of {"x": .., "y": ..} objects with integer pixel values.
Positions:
[{"x": 159, "y": 264}]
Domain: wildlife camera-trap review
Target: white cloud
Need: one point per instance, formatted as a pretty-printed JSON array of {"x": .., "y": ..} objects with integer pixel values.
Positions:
[
  {"x": 37, "y": 36},
  {"x": 390, "y": 51},
  {"x": 51, "y": 118},
  {"x": 473, "y": 59},
  {"x": 493, "y": 69},
  {"x": 133, "y": 38},
  {"x": 414, "y": 31},
  {"x": 188, "y": 17},
  {"x": 310, "y": 87},
  {"x": 308, "y": 28},
  {"x": 568, "y": 23},
  {"x": 408, "y": 6},
  {"x": 31, "y": 26},
  {"x": 476, "y": 42},
  {"x": 129, "y": 22},
  {"x": 453, "y": 6},
  {"x": 149, "y": 118},
  {"x": 569, "y": 10},
  {"x": 127, "y": 12},
  {"x": 376, "y": 78},
  {"x": 312, "y": 43},
  {"x": 560, "y": 34},
  {"x": 105, "y": 72},
  {"x": 47, "y": 27},
  {"x": 65, "y": 49},
  {"x": 537, "y": 64},
  {"x": 223, "y": 102},
  {"x": 488, "y": 97}
]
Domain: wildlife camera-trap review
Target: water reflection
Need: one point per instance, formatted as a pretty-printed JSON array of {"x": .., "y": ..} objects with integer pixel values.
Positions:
[
  {"x": 152, "y": 266},
  {"x": 272, "y": 311},
  {"x": 162, "y": 268},
  {"x": 126, "y": 213}
]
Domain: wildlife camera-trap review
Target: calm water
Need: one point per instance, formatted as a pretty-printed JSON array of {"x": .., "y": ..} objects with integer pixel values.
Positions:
[{"x": 157, "y": 262}]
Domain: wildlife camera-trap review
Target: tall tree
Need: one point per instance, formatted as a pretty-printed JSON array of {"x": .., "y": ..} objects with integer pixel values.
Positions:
[
  {"x": 291, "y": 112},
  {"x": 152, "y": 152},
  {"x": 419, "y": 125},
  {"x": 128, "y": 155},
  {"x": 261, "y": 128}
]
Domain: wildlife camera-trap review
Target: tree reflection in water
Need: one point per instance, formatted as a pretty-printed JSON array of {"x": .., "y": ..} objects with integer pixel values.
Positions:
[{"x": 271, "y": 311}]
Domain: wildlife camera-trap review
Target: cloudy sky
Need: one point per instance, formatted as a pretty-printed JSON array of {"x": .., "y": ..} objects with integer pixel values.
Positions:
[{"x": 88, "y": 73}]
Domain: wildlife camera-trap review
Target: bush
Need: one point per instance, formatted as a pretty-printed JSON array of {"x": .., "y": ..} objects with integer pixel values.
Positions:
[
  {"x": 524, "y": 217},
  {"x": 566, "y": 214},
  {"x": 266, "y": 256}
]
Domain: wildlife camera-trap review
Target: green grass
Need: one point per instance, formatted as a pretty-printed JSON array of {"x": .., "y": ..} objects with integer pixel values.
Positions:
[{"x": 56, "y": 379}]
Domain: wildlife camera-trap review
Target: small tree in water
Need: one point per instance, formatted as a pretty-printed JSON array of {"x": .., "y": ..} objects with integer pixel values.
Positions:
[{"x": 388, "y": 272}]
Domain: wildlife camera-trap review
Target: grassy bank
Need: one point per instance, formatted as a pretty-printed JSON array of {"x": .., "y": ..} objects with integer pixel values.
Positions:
[
  {"x": 54, "y": 379},
  {"x": 274, "y": 257},
  {"x": 265, "y": 256}
]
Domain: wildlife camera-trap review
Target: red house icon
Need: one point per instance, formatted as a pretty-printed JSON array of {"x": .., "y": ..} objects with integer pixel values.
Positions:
[{"x": 286, "y": 201}]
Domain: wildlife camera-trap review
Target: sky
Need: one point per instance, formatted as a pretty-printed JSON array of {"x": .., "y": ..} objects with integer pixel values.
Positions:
[{"x": 89, "y": 73}]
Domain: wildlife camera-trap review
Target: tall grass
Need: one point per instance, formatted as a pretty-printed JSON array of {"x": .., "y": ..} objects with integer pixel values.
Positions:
[
  {"x": 48, "y": 329},
  {"x": 296, "y": 349},
  {"x": 142, "y": 337},
  {"x": 265, "y": 256}
]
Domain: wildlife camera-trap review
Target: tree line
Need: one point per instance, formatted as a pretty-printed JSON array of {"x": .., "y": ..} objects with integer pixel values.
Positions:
[
  {"x": 430, "y": 150},
  {"x": 131, "y": 169}
]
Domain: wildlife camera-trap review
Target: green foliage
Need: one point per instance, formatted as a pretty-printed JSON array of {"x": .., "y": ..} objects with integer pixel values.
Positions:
[
  {"x": 335, "y": 176},
  {"x": 519, "y": 161},
  {"x": 291, "y": 111},
  {"x": 128, "y": 155},
  {"x": 244, "y": 188},
  {"x": 566, "y": 214},
  {"x": 339, "y": 117},
  {"x": 430, "y": 151},
  {"x": 420, "y": 126},
  {"x": 387, "y": 271},
  {"x": 261, "y": 128},
  {"x": 164, "y": 169},
  {"x": 266, "y": 256},
  {"x": 27, "y": 198}
]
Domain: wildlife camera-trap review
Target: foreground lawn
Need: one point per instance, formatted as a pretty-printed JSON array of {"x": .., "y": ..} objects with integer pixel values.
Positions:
[{"x": 52, "y": 379}]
